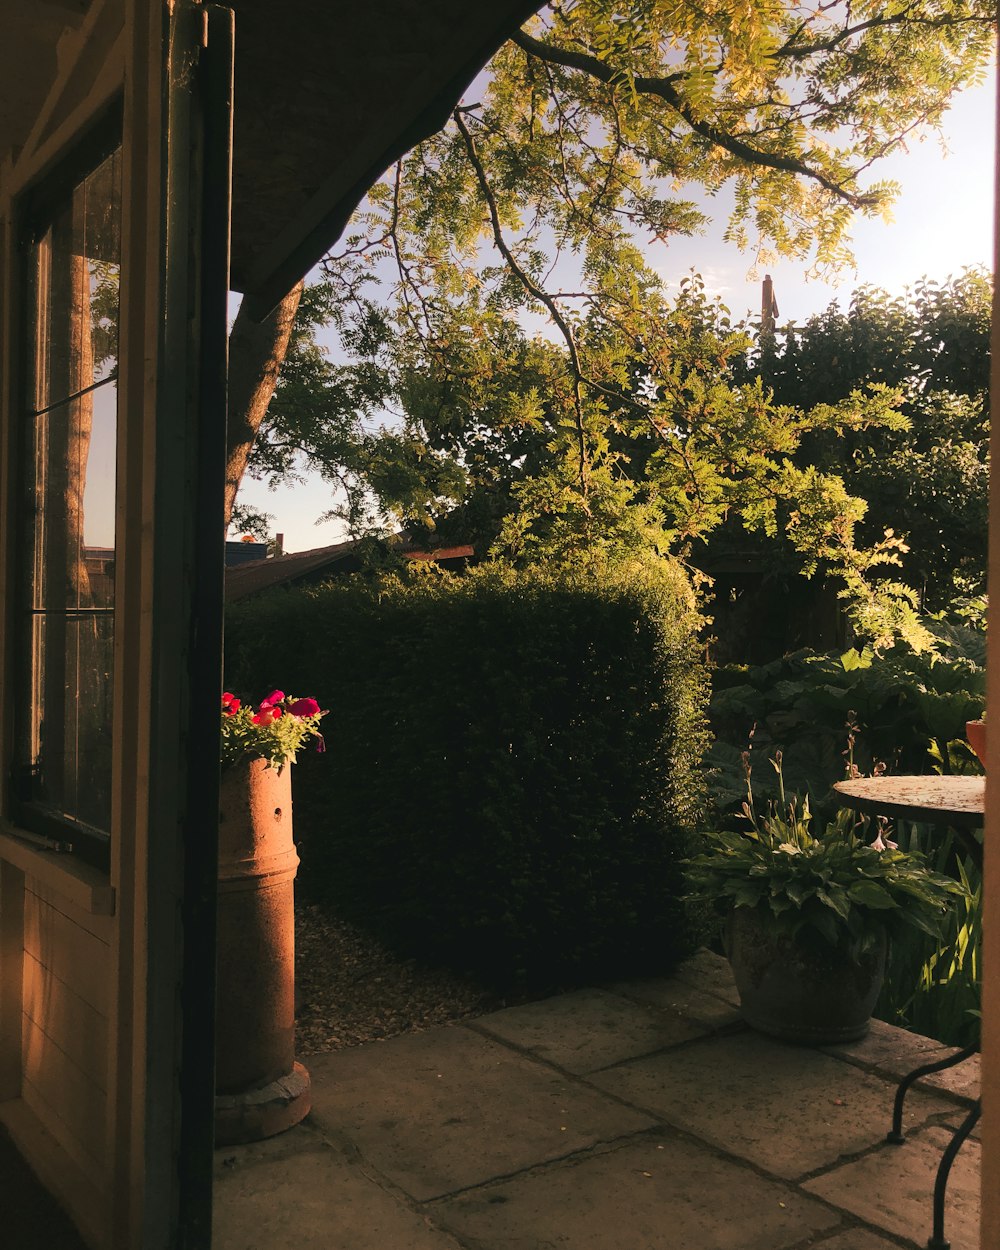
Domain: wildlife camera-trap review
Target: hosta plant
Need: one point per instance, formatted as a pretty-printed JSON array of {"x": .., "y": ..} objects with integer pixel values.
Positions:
[
  {"x": 836, "y": 884},
  {"x": 275, "y": 730}
]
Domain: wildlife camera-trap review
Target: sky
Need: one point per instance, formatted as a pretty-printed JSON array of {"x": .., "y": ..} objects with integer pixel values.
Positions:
[{"x": 942, "y": 222}]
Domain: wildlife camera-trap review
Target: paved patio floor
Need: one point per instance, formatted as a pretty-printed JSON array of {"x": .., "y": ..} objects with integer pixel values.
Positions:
[{"x": 638, "y": 1116}]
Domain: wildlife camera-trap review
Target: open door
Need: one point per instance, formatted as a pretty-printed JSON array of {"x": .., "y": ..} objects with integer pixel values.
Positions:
[{"x": 112, "y": 464}]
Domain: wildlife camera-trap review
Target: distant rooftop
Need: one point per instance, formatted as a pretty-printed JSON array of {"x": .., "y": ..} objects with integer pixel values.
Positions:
[{"x": 253, "y": 576}]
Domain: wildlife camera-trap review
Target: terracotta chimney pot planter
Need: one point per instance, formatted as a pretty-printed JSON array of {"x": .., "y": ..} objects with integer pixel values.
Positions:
[{"x": 260, "y": 1089}]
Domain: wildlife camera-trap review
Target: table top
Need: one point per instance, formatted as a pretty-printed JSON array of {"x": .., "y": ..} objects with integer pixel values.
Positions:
[{"x": 956, "y": 801}]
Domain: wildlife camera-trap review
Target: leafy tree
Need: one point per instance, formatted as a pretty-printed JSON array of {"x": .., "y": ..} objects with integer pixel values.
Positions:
[
  {"x": 927, "y": 480},
  {"x": 535, "y": 207}
]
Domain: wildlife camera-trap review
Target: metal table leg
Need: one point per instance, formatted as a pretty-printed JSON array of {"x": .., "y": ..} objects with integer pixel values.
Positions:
[
  {"x": 895, "y": 1134},
  {"x": 937, "y": 1240}
]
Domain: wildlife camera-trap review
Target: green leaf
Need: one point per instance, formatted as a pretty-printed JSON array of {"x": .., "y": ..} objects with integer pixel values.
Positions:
[
  {"x": 826, "y": 924},
  {"x": 871, "y": 894},
  {"x": 799, "y": 891},
  {"x": 836, "y": 901}
]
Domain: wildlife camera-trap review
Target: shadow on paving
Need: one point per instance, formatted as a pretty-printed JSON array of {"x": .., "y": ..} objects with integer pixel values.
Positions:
[{"x": 31, "y": 1217}]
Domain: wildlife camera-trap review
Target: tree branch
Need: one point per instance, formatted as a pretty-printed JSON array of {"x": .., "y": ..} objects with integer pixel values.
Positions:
[
  {"x": 790, "y": 50},
  {"x": 543, "y": 297},
  {"x": 256, "y": 353},
  {"x": 664, "y": 89}
]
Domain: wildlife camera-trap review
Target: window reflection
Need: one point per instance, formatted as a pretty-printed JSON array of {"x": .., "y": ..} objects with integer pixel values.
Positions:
[
  {"x": 75, "y": 279},
  {"x": 72, "y": 400}
]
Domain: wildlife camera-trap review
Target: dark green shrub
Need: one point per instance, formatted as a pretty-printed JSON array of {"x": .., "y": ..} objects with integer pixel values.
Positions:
[
  {"x": 513, "y": 762},
  {"x": 908, "y": 712}
]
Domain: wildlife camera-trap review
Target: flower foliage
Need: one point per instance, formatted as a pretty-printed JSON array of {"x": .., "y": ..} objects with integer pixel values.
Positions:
[
  {"x": 276, "y": 730},
  {"x": 834, "y": 883}
]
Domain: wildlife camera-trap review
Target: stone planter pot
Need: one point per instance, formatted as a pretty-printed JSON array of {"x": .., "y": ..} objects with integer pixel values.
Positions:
[
  {"x": 810, "y": 994},
  {"x": 260, "y": 1089}
]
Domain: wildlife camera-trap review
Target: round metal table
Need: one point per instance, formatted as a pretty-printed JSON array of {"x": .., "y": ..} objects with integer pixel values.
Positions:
[
  {"x": 954, "y": 801},
  {"x": 957, "y": 802}
]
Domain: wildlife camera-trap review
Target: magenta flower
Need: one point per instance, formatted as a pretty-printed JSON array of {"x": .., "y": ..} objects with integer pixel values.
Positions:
[
  {"x": 304, "y": 707},
  {"x": 274, "y": 730}
]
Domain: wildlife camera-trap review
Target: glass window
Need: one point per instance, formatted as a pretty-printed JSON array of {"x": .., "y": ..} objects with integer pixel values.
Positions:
[{"x": 73, "y": 257}]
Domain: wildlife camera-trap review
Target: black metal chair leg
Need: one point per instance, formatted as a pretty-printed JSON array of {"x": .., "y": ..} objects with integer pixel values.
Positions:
[
  {"x": 895, "y": 1134},
  {"x": 937, "y": 1240}
]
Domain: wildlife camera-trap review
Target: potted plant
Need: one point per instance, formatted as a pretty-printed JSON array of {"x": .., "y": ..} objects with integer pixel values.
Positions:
[
  {"x": 808, "y": 915},
  {"x": 260, "y": 1089},
  {"x": 975, "y": 733}
]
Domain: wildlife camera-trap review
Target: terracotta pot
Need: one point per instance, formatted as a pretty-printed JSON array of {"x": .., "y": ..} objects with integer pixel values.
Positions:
[
  {"x": 975, "y": 732},
  {"x": 260, "y": 1089},
  {"x": 811, "y": 993}
]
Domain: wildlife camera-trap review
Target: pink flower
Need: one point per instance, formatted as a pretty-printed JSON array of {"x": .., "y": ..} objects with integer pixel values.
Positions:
[
  {"x": 276, "y": 696},
  {"x": 230, "y": 704},
  {"x": 884, "y": 844},
  {"x": 266, "y": 714},
  {"x": 304, "y": 707}
]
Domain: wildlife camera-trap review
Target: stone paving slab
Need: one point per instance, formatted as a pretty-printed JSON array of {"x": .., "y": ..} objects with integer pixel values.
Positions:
[
  {"x": 857, "y": 1239},
  {"x": 956, "y": 1118},
  {"x": 895, "y": 1052},
  {"x": 712, "y": 1010},
  {"x": 710, "y": 973},
  {"x": 443, "y": 1110},
  {"x": 303, "y": 1137},
  {"x": 893, "y": 1189},
  {"x": 589, "y": 1029},
  {"x": 660, "y": 1193},
  {"x": 787, "y": 1109},
  {"x": 505, "y": 1152},
  {"x": 314, "y": 1199}
]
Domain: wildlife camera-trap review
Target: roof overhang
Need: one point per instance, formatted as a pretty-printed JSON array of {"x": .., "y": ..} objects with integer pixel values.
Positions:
[{"x": 327, "y": 96}]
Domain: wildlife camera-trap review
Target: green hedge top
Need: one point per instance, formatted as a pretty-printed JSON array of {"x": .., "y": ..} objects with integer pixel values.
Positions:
[{"x": 513, "y": 759}]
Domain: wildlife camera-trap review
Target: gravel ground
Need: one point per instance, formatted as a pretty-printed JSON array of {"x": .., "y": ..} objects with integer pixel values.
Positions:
[{"x": 351, "y": 990}]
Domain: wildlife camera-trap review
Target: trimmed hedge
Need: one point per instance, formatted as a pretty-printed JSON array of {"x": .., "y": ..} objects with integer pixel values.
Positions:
[{"x": 513, "y": 763}]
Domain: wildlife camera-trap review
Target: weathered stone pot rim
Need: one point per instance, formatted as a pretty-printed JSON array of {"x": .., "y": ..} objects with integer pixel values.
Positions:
[{"x": 245, "y": 761}]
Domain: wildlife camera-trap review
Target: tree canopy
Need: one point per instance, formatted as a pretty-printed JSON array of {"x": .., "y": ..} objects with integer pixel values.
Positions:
[
  {"x": 499, "y": 293},
  {"x": 928, "y": 480}
]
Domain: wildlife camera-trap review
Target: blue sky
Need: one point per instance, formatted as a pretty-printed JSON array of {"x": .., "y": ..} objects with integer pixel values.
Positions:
[{"x": 943, "y": 221}]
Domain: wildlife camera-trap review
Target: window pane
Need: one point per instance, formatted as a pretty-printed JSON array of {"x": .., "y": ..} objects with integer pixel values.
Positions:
[
  {"x": 75, "y": 503},
  {"x": 72, "y": 417},
  {"x": 75, "y": 288},
  {"x": 71, "y": 714}
]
